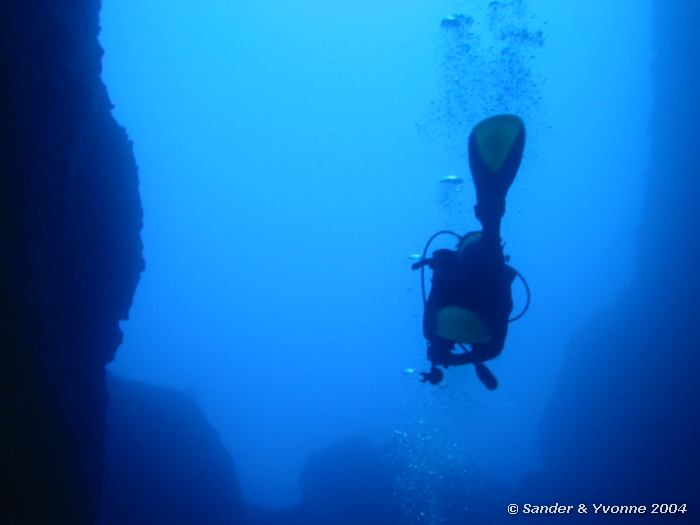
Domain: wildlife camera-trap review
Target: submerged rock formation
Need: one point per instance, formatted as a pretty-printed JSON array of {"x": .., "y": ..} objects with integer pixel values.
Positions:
[
  {"x": 623, "y": 426},
  {"x": 164, "y": 462},
  {"x": 348, "y": 482},
  {"x": 354, "y": 482},
  {"x": 70, "y": 258}
]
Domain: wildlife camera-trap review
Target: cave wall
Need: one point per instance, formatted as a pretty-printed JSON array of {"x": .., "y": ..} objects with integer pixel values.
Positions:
[
  {"x": 70, "y": 258},
  {"x": 623, "y": 424},
  {"x": 350, "y": 481},
  {"x": 669, "y": 243},
  {"x": 164, "y": 462}
]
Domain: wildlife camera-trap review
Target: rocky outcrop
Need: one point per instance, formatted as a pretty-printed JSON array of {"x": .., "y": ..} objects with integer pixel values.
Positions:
[
  {"x": 623, "y": 425},
  {"x": 164, "y": 462},
  {"x": 70, "y": 258},
  {"x": 348, "y": 482},
  {"x": 409, "y": 481}
]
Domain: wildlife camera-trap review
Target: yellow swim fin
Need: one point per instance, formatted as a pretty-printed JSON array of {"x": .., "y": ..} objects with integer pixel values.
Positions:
[
  {"x": 495, "y": 151},
  {"x": 461, "y": 326}
]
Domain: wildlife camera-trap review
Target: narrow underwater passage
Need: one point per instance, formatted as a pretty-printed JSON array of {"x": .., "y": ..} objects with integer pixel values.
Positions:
[
  {"x": 290, "y": 158},
  {"x": 278, "y": 168}
]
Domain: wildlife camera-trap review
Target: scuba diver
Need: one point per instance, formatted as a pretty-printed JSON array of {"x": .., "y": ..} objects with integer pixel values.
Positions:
[{"x": 470, "y": 300}]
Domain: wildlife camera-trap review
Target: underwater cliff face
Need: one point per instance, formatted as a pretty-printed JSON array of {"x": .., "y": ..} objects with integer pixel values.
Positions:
[
  {"x": 70, "y": 258},
  {"x": 623, "y": 425},
  {"x": 669, "y": 246},
  {"x": 164, "y": 462}
]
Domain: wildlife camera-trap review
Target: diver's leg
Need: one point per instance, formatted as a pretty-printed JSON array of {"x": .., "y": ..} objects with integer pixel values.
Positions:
[
  {"x": 490, "y": 210},
  {"x": 434, "y": 377},
  {"x": 482, "y": 372},
  {"x": 478, "y": 354},
  {"x": 439, "y": 351},
  {"x": 438, "y": 355},
  {"x": 486, "y": 376}
]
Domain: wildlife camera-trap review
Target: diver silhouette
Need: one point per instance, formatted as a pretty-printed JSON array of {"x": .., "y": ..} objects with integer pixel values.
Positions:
[{"x": 470, "y": 300}]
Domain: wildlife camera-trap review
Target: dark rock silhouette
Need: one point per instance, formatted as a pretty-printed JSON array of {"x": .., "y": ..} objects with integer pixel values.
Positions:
[
  {"x": 70, "y": 258},
  {"x": 623, "y": 426},
  {"x": 349, "y": 482},
  {"x": 354, "y": 482},
  {"x": 164, "y": 462}
]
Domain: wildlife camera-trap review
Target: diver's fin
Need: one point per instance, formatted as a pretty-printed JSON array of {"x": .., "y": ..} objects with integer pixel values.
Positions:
[
  {"x": 495, "y": 151},
  {"x": 461, "y": 326},
  {"x": 486, "y": 376}
]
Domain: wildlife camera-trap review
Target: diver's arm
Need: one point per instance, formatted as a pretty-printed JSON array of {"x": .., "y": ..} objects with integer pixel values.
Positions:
[
  {"x": 439, "y": 258},
  {"x": 423, "y": 262}
]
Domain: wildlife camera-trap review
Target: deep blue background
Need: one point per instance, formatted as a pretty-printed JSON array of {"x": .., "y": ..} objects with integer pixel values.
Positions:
[{"x": 289, "y": 158}]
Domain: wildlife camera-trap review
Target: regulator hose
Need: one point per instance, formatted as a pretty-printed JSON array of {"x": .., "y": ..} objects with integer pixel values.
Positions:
[
  {"x": 425, "y": 255},
  {"x": 527, "y": 301}
]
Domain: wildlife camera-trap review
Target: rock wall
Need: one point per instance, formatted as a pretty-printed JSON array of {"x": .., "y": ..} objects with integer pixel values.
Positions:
[
  {"x": 669, "y": 244},
  {"x": 164, "y": 462},
  {"x": 350, "y": 481},
  {"x": 70, "y": 258},
  {"x": 623, "y": 426}
]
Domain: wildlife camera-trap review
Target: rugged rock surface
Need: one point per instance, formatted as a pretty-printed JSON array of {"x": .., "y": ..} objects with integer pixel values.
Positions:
[
  {"x": 348, "y": 482},
  {"x": 164, "y": 462},
  {"x": 623, "y": 426},
  {"x": 70, "y": 258},
  {"x": 352, "y": 482}
]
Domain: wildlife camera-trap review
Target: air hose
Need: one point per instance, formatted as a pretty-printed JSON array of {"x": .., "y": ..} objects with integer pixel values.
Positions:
[
  {"x": 425, "y": 258},
  {"x": 527, "y": 301}
]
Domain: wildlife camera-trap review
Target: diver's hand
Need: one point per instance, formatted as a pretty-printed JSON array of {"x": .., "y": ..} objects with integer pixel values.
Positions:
[
  {"x": 434, "y": 377},
  {"x": 419, "y": 264}
]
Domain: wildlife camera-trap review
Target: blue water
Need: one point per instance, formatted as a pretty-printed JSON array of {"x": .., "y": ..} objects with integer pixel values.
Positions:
[{"x": 290, "y": 155}]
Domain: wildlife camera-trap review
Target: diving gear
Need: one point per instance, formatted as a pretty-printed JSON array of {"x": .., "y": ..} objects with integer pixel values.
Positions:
[
  {"x": 463, "y": 242},
  {"x": 486, "y": 376},
  {"x": 461, "y": 326},
  {"x": 495, "y": 151}
]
